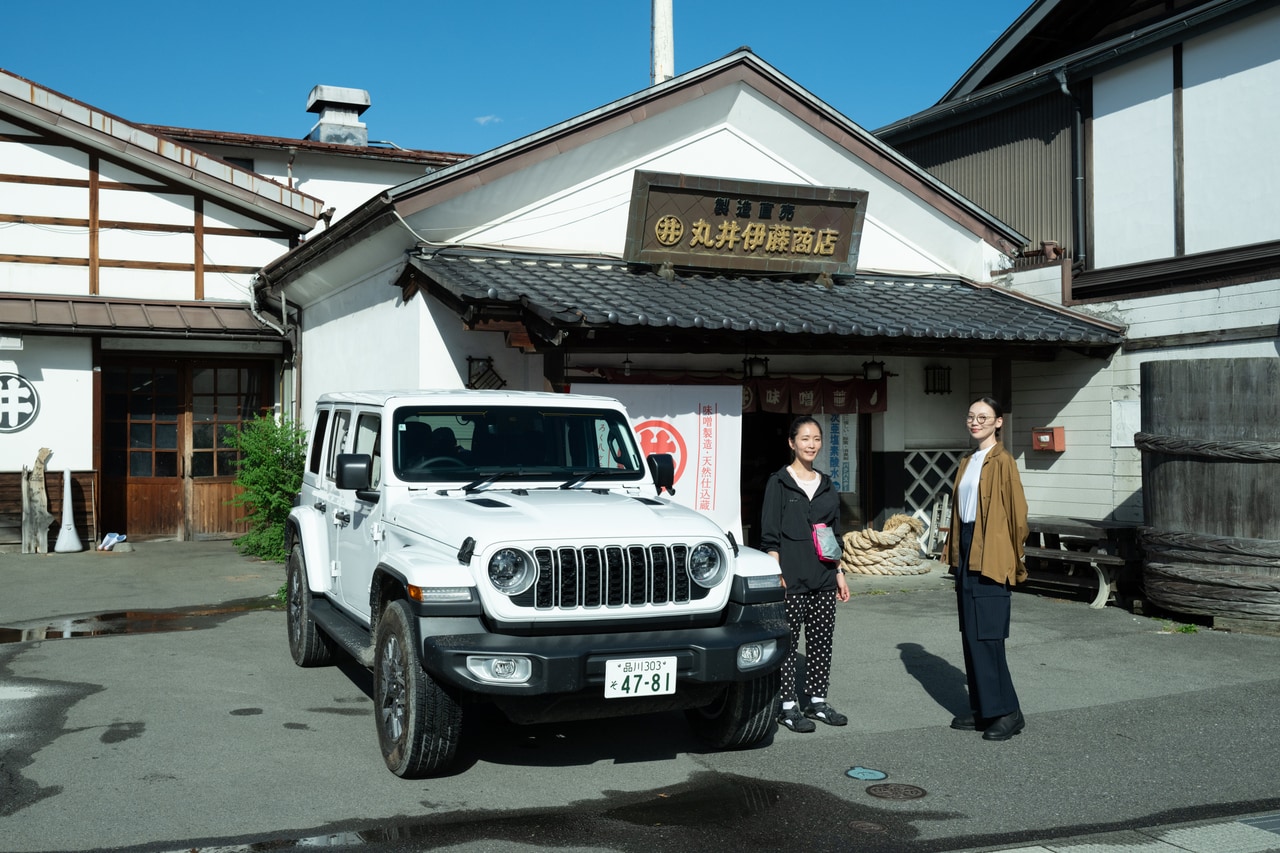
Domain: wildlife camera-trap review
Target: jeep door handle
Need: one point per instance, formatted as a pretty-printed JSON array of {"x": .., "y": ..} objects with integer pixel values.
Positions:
[
  {"x": 342, "y": 515},
  {"x": 320, "y": 506}
]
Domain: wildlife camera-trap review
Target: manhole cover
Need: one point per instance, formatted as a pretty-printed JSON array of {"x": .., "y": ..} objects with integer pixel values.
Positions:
[
  {"x": 893, "y": 791},
  {"x": 866, "y": 826}
]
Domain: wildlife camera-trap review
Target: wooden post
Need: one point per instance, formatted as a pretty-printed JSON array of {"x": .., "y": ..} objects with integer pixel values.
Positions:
[{"x": 36, "y": 518}]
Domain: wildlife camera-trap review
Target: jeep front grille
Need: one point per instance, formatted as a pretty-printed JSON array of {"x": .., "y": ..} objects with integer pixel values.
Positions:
[{"x": 611, "y": 576}]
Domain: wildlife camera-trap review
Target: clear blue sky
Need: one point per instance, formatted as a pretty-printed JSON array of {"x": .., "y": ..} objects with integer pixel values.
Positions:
[{"x": 466, "y": 77}]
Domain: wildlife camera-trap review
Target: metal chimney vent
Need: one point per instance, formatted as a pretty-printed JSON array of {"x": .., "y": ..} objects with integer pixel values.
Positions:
[{"x": 340, "y": 111}]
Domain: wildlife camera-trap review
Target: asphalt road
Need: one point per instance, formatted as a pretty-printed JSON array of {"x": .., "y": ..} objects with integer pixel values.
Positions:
[{"x": 180, "y": 732}]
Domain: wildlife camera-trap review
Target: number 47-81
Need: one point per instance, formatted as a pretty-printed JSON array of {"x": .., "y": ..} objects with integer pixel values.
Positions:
[{"x": 657, "y": 683}]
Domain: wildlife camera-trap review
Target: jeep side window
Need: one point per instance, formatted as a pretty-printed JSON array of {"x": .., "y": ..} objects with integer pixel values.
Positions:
[
  {"x": 368, "y": 440},
  {"x": 337, "y": 441},
  {"x": 317, "y": 441}
]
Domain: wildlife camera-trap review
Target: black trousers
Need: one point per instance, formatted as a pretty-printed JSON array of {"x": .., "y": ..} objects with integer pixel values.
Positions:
[{"x": 983, "y": 605}]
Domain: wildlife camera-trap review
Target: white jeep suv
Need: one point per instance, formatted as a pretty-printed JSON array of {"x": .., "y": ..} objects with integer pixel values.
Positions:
[{"x": 514, "y": 548}]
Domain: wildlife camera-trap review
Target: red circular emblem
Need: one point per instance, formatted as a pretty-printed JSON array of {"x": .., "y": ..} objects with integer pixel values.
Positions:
[{"x": 661, "y": 437}]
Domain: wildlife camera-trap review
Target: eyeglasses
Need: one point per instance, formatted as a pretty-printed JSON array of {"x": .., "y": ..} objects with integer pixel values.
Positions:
[{"x": 980, "y": 420}]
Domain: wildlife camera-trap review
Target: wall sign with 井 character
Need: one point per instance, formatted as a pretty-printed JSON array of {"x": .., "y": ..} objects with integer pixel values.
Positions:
[{"x": 19, "y": 403}]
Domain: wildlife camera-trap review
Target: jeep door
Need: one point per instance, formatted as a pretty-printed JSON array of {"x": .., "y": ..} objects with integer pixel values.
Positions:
[{"x": 357, "y": 551}]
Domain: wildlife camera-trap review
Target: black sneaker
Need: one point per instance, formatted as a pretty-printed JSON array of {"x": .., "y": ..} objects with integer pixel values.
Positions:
[
  {"x": 791, "y": 718},
  {"x": 823, "y": 711}
]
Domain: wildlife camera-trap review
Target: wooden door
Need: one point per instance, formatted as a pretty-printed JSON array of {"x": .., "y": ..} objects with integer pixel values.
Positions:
[{"x": 168, "y": 468}]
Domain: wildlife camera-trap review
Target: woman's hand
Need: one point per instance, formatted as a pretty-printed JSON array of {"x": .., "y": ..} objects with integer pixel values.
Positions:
[{"x": 842, "y": 586}]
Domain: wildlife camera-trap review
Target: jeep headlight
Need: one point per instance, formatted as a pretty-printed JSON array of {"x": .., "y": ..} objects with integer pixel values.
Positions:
[
  {"x": 706, "y": 565},
  {"x": 511, "y": 571}
]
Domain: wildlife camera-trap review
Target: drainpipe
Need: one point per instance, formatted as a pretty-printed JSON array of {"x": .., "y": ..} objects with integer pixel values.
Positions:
[
  {"x": 253, "y": 304},
  {"x": 1077, "y": 168}
]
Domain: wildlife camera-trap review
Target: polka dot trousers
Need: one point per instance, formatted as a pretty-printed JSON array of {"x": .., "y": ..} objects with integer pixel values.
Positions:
[{"x": 815, "y": 613}]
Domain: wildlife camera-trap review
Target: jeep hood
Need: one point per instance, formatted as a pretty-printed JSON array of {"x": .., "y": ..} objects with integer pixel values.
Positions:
[{"x": 549, "y": 515}]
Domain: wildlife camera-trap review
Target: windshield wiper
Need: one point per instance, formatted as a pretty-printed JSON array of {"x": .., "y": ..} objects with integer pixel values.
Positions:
[
  {"x": 485, "y": 482},
  {"x": 579, "y": 479}
]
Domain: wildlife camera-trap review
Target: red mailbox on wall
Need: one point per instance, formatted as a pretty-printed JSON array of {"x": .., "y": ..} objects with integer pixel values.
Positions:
[{"x": 1049, "y": 438}]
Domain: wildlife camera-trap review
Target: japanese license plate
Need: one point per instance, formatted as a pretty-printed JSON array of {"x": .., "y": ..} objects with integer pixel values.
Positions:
[{"x": 639, "y": 677}]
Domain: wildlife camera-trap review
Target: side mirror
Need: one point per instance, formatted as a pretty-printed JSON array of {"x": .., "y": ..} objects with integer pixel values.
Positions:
[
  {"x": 354, "y": 471},
  {"x": 663, "y": 468}
]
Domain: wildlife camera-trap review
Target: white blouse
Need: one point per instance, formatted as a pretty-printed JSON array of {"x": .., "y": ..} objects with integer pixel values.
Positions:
[{"x": 968, "y": 497}]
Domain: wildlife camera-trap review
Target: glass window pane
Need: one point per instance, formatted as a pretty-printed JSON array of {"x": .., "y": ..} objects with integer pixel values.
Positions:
[
  {"x": 201, "y": 464},
  {"x": 167, "y": 380},
  {"x": 226, "y": 463},
  {"x": 228, "y": 406},
  {"x": 166, "y": 436},
  {"x": 166, "y": 464},
  {"x": 140, "y": 464},
  {"x": 202, "y": 436},
  {"x": 114, "y": 380},
  {"x": 115, "y": 406},
  {"x": 166, "y": 408},
  {"x": 139, "y": 436},
  {"x": 141, "y": 406},
  {"x": 203, "y": 409},
  {"x": 227, "y": 434},
  {"x": 227, "y": 377},
  {"x": 202, "y": 381}
]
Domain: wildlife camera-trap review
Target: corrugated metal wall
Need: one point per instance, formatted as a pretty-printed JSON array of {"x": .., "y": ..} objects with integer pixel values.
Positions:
[{"x": 1015, "y": 164}]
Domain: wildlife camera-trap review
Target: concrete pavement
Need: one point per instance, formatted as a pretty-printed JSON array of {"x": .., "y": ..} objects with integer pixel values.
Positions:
[{"x": 1130, "y": 720}]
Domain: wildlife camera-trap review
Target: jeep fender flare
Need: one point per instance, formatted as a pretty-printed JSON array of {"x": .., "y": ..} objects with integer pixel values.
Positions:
[
  {"x": 391, "y": 579},
  {"x": 305, "y": 528}
]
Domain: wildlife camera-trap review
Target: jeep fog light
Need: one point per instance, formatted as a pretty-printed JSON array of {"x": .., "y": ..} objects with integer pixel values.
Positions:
[
  {"x": 754, "y": 655},
  {"x": 511, "y": 571},
  {"x": 706, "y": 565},
  {"x": 500, "y": 670}
]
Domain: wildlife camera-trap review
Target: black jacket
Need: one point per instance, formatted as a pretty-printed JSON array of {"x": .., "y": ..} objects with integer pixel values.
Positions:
[{"x": 786, "y": 526}]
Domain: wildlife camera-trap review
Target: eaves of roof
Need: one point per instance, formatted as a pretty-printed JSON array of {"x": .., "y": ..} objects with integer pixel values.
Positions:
[
  {"x": 435, "y": 159},
  {"x": 964, "y": 98},
  {"x": 45, "y": 314},
  {"x": 568, "y": 296},
  {"x": 104, "y": 132}
]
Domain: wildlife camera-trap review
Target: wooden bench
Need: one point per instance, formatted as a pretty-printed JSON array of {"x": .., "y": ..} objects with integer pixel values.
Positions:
[
  {"x": 1105, "y": 569},
  {"x": 1098, "y": 556}
]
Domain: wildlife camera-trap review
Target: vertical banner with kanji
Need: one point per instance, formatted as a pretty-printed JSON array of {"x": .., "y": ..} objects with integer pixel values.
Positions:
[
  {"x": 701, "y": 427},
  {"x": 839, "y": 456}
]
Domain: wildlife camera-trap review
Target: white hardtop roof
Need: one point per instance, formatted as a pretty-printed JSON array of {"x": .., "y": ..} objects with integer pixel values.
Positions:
[{"x": 467, "y": 396}]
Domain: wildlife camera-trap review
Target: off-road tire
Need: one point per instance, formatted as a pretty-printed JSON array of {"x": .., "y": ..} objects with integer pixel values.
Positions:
[
  {"x": 309, "y": 645},
  {"x": 419, "y": 724},
  {"x": 744, "y": 715}
]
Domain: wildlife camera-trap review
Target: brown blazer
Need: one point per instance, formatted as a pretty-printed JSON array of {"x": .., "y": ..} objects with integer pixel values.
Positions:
[{"x": 1000, "y": 529}]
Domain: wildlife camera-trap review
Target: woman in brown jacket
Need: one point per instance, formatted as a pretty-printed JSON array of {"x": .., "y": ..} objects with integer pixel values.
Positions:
[{"x": 984, "y": 550}]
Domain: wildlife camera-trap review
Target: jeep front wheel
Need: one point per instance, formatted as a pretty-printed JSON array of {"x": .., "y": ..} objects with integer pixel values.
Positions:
[
  {"x": 419, "y": 724},
  {"x": 744, "y": 715},
  {"x": 309, "y": 645}
]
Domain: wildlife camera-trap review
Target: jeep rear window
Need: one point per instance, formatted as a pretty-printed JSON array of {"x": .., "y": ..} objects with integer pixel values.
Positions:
[{"x": 436, "y": 444}]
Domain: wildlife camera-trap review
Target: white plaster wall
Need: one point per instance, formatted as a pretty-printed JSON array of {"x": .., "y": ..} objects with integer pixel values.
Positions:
[
  {"x": 1231, "y": 78},
  {"x": 933, "y": 421},
  {"x": 61, "y": 369},
  {"x": 578, "y": 202},
  {"x": 1132, "y": 181}
]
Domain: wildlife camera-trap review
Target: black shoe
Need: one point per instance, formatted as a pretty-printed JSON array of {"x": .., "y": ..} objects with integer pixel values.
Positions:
[
  {"x": 791, "y": 718},
  {"x": 824, "y": 712},
  {"x": 968, "y": 723},
  {"x": 1003, "y": 728}
]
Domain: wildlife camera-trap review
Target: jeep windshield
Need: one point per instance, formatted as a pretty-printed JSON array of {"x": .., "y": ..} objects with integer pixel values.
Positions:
[{"x": 486, "y": 444}]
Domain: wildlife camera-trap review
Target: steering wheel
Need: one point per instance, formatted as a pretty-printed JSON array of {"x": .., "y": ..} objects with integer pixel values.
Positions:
[{"x": 450, "y": 462}]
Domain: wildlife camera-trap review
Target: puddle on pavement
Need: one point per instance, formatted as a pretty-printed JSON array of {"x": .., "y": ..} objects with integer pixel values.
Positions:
[{"x": 120, "y": 622}]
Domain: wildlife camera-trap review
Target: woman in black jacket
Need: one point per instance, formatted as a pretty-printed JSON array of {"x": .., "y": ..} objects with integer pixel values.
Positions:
[{"x": 795, "y": 499}]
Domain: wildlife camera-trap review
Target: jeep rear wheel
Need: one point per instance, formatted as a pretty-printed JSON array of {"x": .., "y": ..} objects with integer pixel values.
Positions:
[
  {"x": 744, "y": 715},
  {"x": 419, "y": 724},
  {"x": 309, "y": 645}
]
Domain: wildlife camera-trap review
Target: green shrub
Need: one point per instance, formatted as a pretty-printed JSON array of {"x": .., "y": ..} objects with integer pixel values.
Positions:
[{"x": 269, "y": 474}]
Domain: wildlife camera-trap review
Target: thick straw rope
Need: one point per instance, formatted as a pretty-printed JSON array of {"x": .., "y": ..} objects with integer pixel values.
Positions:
[{"x": 895, "y": 550}]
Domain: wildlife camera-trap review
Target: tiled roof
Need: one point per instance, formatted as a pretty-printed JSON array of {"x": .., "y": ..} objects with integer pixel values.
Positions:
[
  {"x": 103, "y": 315},
  {"x": 567, "y": 292}
]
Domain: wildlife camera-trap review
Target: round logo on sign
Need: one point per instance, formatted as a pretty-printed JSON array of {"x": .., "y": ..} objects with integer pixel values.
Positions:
[
  {"x": 19, "y": 403},
  {"x": 657, "y": 436}
]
